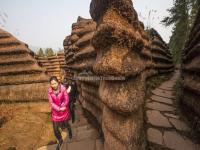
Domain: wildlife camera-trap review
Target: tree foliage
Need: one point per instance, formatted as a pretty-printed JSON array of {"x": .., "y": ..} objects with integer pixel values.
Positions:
[
  {"x": 49, "y": 52},
  {"x": 181, "y": 16},
  {"x": 40, "y": 53}
]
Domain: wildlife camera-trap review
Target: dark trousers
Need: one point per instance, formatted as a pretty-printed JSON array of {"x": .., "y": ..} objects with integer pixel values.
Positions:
[
  {"x": 62, "y": 125},
  {"x": 72, "y": 110}
]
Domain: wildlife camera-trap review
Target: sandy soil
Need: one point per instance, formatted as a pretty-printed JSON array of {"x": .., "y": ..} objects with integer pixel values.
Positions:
[{"x": 27, "y": 127}]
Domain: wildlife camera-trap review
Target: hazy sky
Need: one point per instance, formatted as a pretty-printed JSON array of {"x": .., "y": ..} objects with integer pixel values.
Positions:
[{"x": 45, "y": 23}]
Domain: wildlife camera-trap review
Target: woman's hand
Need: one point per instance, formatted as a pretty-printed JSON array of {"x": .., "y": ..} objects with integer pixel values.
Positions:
[
  {"x": 69, "y": 89},
  {"x": 62, "y": 108}
]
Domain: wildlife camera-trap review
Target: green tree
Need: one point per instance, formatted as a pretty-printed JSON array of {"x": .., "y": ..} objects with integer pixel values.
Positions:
[
  {"x": 49, "y": 52},
  {"x": 194, "y": 7},
  {"x": 179, "y": 17},
  {"x": 182, "y": 16},
  {"x": 41, "y": 52}
]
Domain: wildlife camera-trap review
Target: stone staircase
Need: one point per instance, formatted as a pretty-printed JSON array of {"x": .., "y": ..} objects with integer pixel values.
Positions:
[
  {"x": 85, "y": 137},
  {"x": 166, "y": 128}
]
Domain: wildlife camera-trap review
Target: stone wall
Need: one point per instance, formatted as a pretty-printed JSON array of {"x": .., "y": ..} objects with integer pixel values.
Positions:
[{"x": 191, "y": 70}]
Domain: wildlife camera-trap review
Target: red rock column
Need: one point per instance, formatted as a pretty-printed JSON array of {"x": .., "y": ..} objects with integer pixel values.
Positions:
[{"x": 119, "y": 42}]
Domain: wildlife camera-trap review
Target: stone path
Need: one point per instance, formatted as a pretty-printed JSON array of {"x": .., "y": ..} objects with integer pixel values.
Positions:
[
  {"x": 165, "y": 127},
  {"x": 85, "y": 137}
]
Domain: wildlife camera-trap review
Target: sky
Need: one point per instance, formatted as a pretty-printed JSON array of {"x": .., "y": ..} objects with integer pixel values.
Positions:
[{"x": 45, "y": 23}]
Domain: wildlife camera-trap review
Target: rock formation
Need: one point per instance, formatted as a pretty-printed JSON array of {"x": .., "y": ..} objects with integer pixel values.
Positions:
[
  {"x": 118, "y": 52},
  {"x": 80, "y": 57},
  {"x": 54, "y": 65},
  {"x": 191, "y": 68},
  {"x": 119, "y": 42},
  {"x": 21, "y": 78},
  {"x": 160, "y": 53}
]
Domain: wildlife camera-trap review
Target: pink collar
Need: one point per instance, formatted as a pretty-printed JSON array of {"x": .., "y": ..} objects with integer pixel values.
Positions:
[{"x": 51, "y": 89}]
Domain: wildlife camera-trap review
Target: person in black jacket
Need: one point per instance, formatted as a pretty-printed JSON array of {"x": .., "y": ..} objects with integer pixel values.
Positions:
[{"x": 73, "y": 95}]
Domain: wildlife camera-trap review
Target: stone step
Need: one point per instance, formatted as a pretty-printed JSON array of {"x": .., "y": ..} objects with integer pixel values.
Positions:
[
  {"x": 99, "y": 145},
  {"x": 79, "y": 111},
  {"x": 159, "y": 106},
  {"x": 179, "y": 125},
  {"x": 81, "y": 133},
  {"x": 166, "y": 129},
  {"x": 155, "y": 118},
  {"x": 173, "y": 140},
  {"x": 80, "y": 145},
  {"x": 163, "y": 93},
  {"x": 169, "y": 85},
  {"x": 80, "y": 122},
  {"x": 88, "y": 144},
  {"x": 162, "y": 99},
  {"x": 170, "y": 139},
  {"x": 83, "y": 128},
  {"x": 85, "y": 134}
]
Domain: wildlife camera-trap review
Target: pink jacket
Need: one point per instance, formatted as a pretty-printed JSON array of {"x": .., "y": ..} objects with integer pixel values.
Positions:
[{"x": 56, "y": 102}]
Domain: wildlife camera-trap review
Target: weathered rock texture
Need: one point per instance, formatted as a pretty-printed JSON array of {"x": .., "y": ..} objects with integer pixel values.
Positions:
[
  {"x": 160, "y": 53},
  {"x": 119, "y": 42},
  {"x": 119, "y": 53},
  {"x": 80, "y": 58},
  {"x": 21, "y": 78},
  {"x": 54, "y": 65},
  {"x": 191, "y": 69},
  {"x": 69, "y": 52}
]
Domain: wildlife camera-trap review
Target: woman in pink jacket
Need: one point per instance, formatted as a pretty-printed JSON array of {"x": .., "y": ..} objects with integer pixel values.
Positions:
[{"x": 60, "y": 114}]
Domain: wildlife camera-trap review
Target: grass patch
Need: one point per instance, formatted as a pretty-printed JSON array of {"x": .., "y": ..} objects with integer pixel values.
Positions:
[
  {"x": 178, "y": 89},
  {"x": 155, "y": 81}
]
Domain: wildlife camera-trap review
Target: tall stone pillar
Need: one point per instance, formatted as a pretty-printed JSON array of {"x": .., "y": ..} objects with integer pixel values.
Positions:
[{"x": 119, "y": 43}]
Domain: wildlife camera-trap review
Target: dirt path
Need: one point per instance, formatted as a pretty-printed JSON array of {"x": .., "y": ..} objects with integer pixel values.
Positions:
[
  {"x": 28, "y": 126},
  {"x": 166, "y": 128}
]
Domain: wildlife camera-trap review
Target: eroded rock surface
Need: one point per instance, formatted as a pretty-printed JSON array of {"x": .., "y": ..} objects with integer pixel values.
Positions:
[{"x": 21, "y": 78}]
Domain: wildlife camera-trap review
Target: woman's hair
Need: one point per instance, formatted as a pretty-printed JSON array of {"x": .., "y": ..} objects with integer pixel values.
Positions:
[{"x": 53, "y": 78}]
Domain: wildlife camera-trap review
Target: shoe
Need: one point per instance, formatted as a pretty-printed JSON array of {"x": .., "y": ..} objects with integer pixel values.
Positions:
[
  {"x": 58, "y": 147},
  {"x": 60, "y": 142}
]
